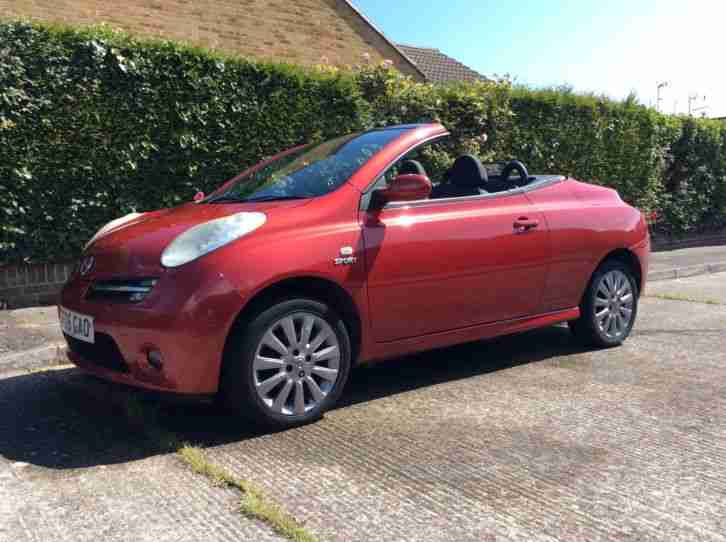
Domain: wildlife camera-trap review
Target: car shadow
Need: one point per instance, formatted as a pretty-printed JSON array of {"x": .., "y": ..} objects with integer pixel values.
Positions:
[
  {"x": 67, "y": 420},
  {"x": 457, "y": 362}
]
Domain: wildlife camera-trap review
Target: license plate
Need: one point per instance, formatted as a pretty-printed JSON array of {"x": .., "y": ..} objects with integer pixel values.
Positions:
[{"x": 79, "y": 326}]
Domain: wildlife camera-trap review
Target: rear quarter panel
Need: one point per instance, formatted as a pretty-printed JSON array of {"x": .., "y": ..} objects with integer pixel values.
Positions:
[{"x": 612, "y": 225}]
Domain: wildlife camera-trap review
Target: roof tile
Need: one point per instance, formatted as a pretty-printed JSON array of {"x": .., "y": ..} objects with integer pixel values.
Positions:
[{"x": 438, "y": 67}]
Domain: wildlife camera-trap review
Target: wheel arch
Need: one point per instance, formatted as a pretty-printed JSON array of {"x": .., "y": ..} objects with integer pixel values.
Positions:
[
  {"x": 629, "y": 258},
  {"x": 321, "y": 289}
]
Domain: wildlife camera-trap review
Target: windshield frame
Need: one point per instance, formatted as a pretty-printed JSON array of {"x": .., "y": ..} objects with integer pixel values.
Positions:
[
  {"x": 226, "y": 185},
  {"x": 355, "y": 151}
]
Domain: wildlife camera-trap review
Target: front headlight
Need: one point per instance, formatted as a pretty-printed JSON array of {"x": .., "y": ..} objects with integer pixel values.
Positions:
[
  {"x": 209, "y": 236},
  {"x": 112, "y": 225}
]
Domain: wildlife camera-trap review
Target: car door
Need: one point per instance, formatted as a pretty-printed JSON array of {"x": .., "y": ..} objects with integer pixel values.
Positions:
[
  {"x": 443, "y": 264},
  {"x": 568, "y": 224}
]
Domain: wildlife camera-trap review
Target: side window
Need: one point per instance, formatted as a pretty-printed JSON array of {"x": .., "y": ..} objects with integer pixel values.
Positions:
[
  {"x": 393, "y": 171},
  {"x": 436, "y": 160},
  {"x": 433, "y": 157}
]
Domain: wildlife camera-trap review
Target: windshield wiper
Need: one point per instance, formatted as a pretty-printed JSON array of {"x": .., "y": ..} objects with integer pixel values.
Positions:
[
  {"x": 230, "y": 198},
  {"x": 274, "y": 198},
  {"x": 226, "y": 198}
]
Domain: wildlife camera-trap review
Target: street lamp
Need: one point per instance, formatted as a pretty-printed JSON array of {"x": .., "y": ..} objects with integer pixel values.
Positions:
[
  {"x": 661, "y": 85},
  {"x": 693, "y": 98}
]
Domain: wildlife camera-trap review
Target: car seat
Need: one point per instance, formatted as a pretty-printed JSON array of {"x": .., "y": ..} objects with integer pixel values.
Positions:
[{"x": 466, "y": 177}]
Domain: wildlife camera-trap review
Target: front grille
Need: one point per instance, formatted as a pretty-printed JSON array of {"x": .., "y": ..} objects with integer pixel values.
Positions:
[
  {"x": 121, "y": 291},
  {"x": 103, "y": 352}
]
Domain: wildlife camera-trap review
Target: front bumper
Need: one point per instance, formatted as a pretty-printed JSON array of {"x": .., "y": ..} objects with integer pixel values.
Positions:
[{"x": 187, "y": 318}]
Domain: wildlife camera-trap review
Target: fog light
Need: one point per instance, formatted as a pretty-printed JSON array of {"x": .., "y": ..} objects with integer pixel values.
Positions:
[{"x": 155, "y": 359}]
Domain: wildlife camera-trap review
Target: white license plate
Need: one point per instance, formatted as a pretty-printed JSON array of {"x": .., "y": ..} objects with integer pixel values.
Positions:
[{"x": 78, "y": 326}]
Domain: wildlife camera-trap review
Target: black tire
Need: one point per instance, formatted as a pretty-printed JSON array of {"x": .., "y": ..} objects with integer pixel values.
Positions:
[
  {"x": 238, "y": 393},
  {"x": 587, "y": 329}
]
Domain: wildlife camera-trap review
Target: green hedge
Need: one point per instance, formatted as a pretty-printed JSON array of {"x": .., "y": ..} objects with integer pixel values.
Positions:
[
  {"x": 94, "y": 123},
  {"x": 674, "y": 166}
]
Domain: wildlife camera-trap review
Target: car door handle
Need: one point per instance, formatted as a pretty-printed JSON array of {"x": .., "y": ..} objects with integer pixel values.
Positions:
[{"x": 523, "y": 224}]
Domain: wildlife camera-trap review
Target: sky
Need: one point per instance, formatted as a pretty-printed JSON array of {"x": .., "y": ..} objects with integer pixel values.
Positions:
[{"x": 609, "y": 47}]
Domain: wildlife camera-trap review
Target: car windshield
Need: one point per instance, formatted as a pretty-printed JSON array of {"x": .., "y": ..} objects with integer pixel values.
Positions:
[{"x": 308, "y": 172}]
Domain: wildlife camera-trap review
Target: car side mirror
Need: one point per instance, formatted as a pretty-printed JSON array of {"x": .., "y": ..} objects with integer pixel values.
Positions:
[
  {"x": 408, "y": 187},
  {"x": 199, "y": 196}
]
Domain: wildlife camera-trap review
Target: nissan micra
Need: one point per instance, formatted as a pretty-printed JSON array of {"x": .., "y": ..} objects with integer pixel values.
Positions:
[{"x": 266, "y": 292}]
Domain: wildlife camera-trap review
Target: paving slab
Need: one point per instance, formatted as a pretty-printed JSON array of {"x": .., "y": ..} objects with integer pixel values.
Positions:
[
  {"x": 72, "y": 469},
  {"x": 672, "y": 264},
  {"x": 29, "y": 338},
  {"x": 523, "y": 438},
  {"x": 686, "y": 257},
  {"x": 710, "y": 288},
  {"x": 27, "y": 329}
]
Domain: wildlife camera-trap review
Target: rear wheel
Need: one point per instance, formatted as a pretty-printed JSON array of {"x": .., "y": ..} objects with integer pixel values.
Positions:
[
  {"x": 609, "y": 306},
  {"x": 288, "y": 366}
]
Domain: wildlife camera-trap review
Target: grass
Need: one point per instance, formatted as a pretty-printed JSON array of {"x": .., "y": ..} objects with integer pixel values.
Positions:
[
  {"x": 254, "y": 504},
  {"x": 58, "y": 363},
  {"x": 49, "y": 369},
  {"x": 678, "y": 297}
]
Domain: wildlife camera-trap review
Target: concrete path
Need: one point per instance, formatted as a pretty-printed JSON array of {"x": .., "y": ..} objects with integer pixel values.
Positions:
[
  {"x": 524, "y": 438},
  {"x": 30, "y": 338},
  {"x": 687, "y": 262},
  {"x": 73, "y": 469},
  {"x": 27, "y": 329},
  {"x": 704, "y": 288}
]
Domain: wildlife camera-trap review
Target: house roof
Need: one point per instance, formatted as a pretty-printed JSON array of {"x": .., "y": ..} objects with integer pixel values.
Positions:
[
  {"x": 438, "y": 67},
  {"x": 385, "y": 38}
]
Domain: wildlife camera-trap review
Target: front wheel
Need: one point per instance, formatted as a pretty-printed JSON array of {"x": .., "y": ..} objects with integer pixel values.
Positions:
[
  {"x": 289, "y": 365},
  {"x": 609, "y": 306}
]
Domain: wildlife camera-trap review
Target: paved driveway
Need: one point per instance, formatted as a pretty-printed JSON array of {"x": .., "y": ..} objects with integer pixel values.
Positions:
[{"x": 524, "y": 438}]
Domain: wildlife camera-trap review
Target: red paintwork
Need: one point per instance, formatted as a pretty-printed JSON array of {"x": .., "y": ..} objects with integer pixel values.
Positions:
[
  {"x": 448, "y": 265},
  {"x": 428, "y": 274}
]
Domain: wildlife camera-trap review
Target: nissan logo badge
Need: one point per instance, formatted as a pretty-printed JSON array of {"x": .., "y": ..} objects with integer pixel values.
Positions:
[{"x": 86, "y": 265}]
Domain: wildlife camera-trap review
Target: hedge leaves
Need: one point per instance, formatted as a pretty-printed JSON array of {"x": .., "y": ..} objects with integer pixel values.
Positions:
[{"x": 95, "y": 124}]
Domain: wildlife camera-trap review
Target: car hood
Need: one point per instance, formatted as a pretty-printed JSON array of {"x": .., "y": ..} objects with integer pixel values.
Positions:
[{"x": 134, "y": 247}]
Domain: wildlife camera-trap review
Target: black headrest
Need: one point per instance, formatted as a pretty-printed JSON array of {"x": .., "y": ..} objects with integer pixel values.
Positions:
[
  {"x": 411, "y": 167},
  {"x": 468, "y": 171}
]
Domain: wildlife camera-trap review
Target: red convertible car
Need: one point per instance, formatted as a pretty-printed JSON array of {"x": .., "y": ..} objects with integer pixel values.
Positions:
[{"x": 268, "y": 291}]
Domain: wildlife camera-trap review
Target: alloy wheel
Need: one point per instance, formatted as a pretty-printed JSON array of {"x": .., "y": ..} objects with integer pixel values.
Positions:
[
  {"x": 296, "y": 364},
  {"x": 614, "y": 304}
]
